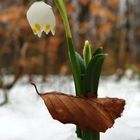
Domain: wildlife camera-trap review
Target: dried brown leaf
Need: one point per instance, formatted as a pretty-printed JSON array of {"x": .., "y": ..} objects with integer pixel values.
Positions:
[{"x": 95, "y": 114}]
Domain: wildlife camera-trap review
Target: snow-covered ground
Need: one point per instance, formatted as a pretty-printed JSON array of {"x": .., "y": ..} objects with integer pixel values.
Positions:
[{"x": 25, "y": 117}]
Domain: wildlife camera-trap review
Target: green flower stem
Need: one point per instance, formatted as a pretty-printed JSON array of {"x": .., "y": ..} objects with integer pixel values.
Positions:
[
  {"x": 88, "y": 135},
  {"x": 71, "y": 50},
  {"x": 84, "y": 135}
]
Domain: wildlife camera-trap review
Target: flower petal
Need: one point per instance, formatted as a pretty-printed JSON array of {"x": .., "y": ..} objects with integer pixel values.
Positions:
[
  {"x": 53, "y": 30},
  {"x": 41, "y": 18}
]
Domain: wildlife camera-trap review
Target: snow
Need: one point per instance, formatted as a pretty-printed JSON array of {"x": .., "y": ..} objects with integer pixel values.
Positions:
[
  {"x": 25, "y": 117},
  {"x": 128, "y": 126}
]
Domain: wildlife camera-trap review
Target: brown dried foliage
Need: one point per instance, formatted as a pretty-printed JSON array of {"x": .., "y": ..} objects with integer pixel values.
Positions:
[{"x": 95, "y": 114}]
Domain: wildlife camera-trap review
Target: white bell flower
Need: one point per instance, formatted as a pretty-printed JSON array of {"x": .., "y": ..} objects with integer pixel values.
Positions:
[{"x": 41, "y": 18}]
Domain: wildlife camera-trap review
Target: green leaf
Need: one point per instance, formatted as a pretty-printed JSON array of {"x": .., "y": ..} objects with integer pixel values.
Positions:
[
  {"x": 99, "y": 50},
  {"x": 92, "y": 74},
  {"x": 81, "y": 63}
]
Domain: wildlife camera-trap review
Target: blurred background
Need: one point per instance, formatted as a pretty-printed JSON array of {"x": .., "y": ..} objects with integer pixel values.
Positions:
[{"x": 113, "y": 24}]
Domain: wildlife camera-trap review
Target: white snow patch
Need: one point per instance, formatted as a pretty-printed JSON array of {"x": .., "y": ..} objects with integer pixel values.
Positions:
[{"x": 25, "y": 117}]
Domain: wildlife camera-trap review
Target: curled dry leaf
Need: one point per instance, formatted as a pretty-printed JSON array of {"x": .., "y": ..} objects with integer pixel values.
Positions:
[{"x": 95, "y": 114}]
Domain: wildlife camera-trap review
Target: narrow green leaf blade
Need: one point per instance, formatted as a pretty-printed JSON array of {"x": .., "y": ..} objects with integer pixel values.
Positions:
[
  {"x": 92, "y": 74},
  {"x": 81, "y": 64},
  {"x": 99, "y": 50}
]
